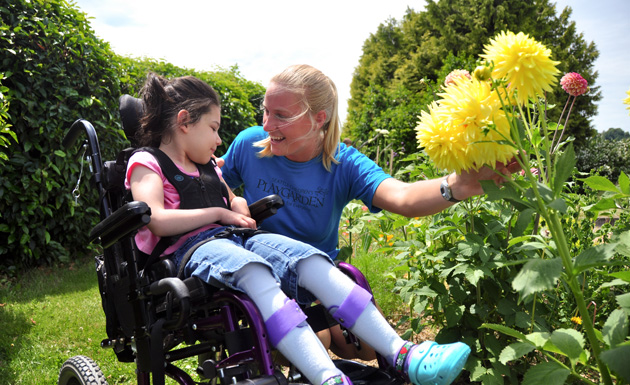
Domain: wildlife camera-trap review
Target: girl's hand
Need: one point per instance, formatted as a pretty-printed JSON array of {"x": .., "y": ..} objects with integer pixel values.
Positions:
[
  {"x": 229, "y": 217},
  {"x": 239, "y": 205}
]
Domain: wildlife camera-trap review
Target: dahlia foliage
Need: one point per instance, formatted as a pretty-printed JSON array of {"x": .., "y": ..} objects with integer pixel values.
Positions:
[{"x": 499, "y": 115}]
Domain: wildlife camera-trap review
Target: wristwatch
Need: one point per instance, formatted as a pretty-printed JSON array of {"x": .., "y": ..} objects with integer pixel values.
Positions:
[{"x": 447, "y": 194}]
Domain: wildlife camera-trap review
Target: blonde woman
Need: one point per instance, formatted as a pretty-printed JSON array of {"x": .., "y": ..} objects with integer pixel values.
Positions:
[{"x": 297, "y": 154}]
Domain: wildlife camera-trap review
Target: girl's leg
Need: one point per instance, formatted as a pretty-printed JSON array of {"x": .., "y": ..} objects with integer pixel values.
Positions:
[
  {"x": 330, "y": 286},
  {"x": 351, "y": 305},
  {"x": 295, "y": 340},
  {"x": 227, "y": 262}
]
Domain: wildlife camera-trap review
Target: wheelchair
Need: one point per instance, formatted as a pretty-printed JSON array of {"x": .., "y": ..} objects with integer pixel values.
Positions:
[{"x": 155, "y": 317}]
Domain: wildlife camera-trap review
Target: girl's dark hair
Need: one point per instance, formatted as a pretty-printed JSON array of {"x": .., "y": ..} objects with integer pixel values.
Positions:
[{"x": 164, "y": 98}]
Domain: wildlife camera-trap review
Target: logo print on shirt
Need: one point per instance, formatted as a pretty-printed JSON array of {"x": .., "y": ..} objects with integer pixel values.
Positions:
[{"x": 294, "y": 195}]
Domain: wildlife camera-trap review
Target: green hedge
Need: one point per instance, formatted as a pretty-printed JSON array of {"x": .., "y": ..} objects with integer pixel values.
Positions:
[{"x": 55, "y": 71}]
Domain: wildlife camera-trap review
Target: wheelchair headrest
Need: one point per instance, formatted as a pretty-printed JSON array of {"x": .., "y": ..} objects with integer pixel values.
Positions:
[{"x": 131, "y": 110}]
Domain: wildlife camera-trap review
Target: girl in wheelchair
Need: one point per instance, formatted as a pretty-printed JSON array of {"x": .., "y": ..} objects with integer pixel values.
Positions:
[{"x": 181, "y": 119}]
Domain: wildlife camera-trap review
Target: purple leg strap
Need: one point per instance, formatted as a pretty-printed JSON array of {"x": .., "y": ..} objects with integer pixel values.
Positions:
[
  {"x": 285, "y": 319},
  {"x": 351, "y": 308}
]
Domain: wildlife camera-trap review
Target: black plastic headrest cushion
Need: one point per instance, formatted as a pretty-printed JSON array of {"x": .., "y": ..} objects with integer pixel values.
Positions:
[{"x": 131, "y": 110}]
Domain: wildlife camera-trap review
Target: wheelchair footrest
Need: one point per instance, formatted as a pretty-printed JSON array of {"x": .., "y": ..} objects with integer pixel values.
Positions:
[{"x": 361, "y": 374}]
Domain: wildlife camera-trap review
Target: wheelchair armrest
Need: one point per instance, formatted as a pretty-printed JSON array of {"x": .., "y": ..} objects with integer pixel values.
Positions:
[
  {"x": 265, "y": 207},
  {"x": 121, "y": 223}
]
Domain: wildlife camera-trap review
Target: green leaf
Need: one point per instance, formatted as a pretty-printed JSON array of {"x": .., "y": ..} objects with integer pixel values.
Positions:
[
  {"x": 623, "y": 275},
  {"x": 570, "y": 342},
  {"x": 468, "y": 249},
  {"x": 426, "y": 291},
  {"x": 491, "y": 379},
  {"x": 514, "y": 351},
  {"x": 624, "y": 183},
  {"x": 564, "y": 168},
  {"x": 495, "y": 192},
  {"x": 559, "y": 205},
  {"x": 617, "y": 360},
  {"x": 454, "y": 314},
  {"x": 546, "y": 373},
  {"x": 537, "y": 275},
  {"x": 615, "y": 329},
  {"x": 594, "y": 256},
  {"x": 623, "y": 300},
  {"x": 474, "y": 275},
  {"x": 505, "y": 330},
  {"x": 602, "y": 204},
  {"x": 523, "y": 221},
  {"x": 600, "y": 183}
]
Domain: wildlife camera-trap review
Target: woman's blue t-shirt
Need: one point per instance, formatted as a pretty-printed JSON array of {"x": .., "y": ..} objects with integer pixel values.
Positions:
[{"x": 314, "y": 198}]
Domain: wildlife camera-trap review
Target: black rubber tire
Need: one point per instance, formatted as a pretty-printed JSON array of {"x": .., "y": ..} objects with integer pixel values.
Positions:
[{"x": 81, "y": 370}]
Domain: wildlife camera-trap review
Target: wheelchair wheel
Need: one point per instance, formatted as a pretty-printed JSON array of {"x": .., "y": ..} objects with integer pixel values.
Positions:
[{"x": 81, "y": 370}]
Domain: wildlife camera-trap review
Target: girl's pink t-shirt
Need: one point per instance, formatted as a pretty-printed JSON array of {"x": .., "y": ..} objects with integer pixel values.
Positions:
[{"x": 145, "y": 239}]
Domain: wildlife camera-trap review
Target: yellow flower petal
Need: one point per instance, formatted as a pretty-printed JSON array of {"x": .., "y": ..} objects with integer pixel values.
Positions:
[{"x": 523, "y": 63}]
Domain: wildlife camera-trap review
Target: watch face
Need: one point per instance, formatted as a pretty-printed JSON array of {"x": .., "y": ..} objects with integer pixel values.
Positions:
[{"x": 445, "y": 191}]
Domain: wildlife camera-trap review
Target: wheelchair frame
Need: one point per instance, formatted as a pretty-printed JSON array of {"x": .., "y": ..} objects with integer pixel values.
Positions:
[{"x": 150, "y": 312}]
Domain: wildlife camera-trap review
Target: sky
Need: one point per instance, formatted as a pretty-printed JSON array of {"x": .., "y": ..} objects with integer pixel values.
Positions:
[{"x": 264, "y": 37}]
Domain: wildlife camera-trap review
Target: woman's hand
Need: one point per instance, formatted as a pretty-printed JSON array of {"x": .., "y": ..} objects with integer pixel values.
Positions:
[
  {"x": 220, "y": 161},
  {"x": 467, "y": 184}
]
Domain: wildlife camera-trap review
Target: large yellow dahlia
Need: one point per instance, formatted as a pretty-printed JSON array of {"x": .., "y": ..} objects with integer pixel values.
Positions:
[
  {"x": 462, "y": 130},
  {"x": 523, "y": 62},
  {"x": 627, "y": 100}
]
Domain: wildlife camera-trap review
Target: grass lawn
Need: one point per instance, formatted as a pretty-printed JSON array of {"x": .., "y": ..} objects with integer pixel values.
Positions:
[{"x": 49, "y": 315}]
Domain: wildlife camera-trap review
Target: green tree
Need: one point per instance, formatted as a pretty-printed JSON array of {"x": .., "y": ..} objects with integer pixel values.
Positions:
[
  {"x": 615, "y": 134},
  {"x": 413, "y": 52}
]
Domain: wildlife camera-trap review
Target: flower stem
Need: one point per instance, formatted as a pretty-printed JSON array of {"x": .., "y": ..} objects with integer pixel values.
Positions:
[{"x": 558, "y": 235}]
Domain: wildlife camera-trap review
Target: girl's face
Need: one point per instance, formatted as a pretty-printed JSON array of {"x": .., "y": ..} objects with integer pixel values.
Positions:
[
  {"x": 292, "y": 133},
  {"x": 203, "y": 138}
]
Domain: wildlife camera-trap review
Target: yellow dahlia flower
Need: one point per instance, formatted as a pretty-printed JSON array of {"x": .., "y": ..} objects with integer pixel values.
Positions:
[
  {"x": 442, "y": 141},
  {"x": 523, "y": 63},
  {"x": 627, "y": 100},
  {"x": 462, "y": 130}
]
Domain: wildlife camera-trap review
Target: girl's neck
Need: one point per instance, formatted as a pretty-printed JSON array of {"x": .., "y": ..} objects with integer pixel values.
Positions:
[{"x": 178, "y": 157}]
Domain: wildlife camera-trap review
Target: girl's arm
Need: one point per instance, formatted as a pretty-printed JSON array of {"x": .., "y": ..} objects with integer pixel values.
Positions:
[{"x": 146, "y": 186}]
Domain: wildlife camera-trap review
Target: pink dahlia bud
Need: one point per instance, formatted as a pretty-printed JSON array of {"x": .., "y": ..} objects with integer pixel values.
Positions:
[
  {"x": 574, "y": 84},
  {"x": 450, "y": 78}
]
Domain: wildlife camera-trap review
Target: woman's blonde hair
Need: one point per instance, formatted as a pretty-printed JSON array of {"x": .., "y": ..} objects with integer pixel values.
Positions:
[{"x": 318, "y": 93}]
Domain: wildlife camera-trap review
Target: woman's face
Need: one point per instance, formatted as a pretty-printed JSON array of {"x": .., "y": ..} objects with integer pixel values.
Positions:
[{"x": 292, "y": 133}]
